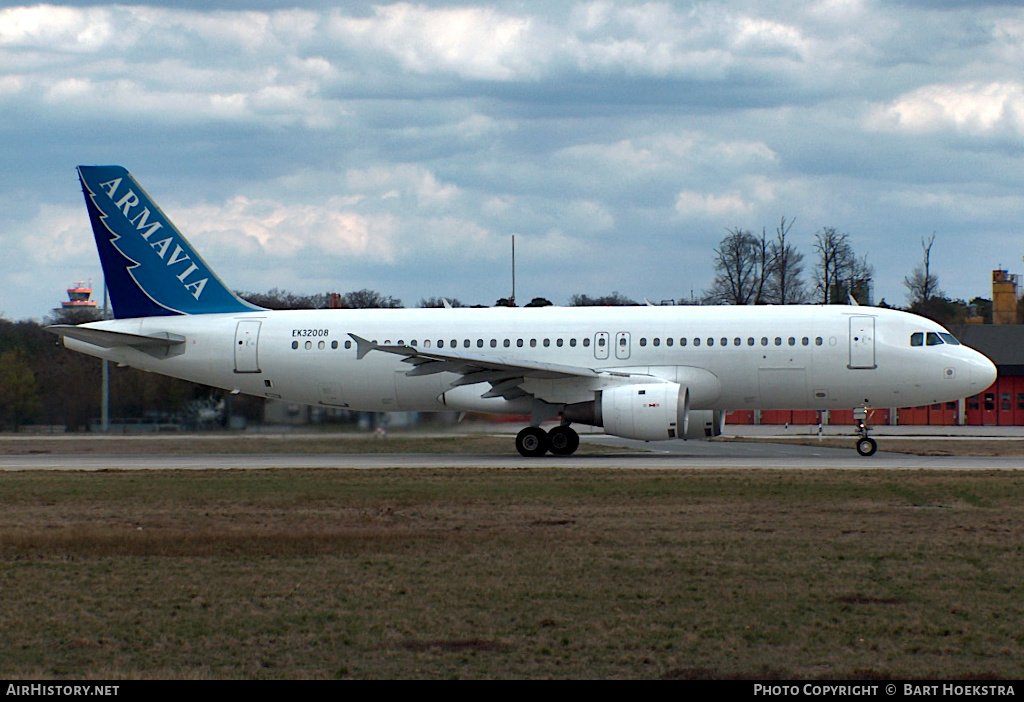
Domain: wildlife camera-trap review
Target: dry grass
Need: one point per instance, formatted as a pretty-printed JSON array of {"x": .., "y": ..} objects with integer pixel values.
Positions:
[{"x": 528, "y": 572}]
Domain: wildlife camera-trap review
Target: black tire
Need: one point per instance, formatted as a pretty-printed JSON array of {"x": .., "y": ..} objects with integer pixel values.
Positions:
[
  {"x": 563, "y": 441},
  {"x": 866, "y": 446},
  {"x": 532, "y": 442}
]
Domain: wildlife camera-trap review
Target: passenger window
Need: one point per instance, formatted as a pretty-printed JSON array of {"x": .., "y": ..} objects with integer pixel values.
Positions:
[
  {"x": 792, "y": 341},
  {"x": 750, "y": 341},
  {"x": 764, "y": 341},
  {"x": 334, "y": 344},
  {"x": 737, "y": 341},
  {"x": 586, "y": 343},
  {"x": 778, "y": 341},
  {"x": 547, "y": 343},
  {"x": 295, "y": 344},
  {"x": 440, "y": 343},
  {"x": 711, "y": 341},
  {"x": 572, "y": 342},
  {"x": 643, "y": 341},
  {"x": 479, "y": 343},
  {"x": 494, "y": 343},
  {"x": 533, "y": 343},
  {"x": 818, "y": 341},
  {"x": 917, "y": 339},
  {"x": 519, "y": 343},
  {"x": 348, "y": 344},
  {"x": 805, "y": 341},
  {"x": 558, "y": 343},
  {"x": 682, "y": 341},
  {"x": 506, "y": 343},
  {"x": 668, "y": 341},
  {"x": 696, "y": 341},
  {"x": 656, "y": 341}
]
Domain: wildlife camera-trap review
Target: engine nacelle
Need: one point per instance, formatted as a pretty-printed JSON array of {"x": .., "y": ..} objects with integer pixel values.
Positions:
[
  {"x": 647, "y": 411},
  {"x": 704, "y": 424},
  {"x": 650, "y": 411}
]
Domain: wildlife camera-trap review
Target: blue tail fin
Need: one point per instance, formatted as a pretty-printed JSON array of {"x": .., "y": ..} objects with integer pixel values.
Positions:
[{"x": 149, "y": 266}]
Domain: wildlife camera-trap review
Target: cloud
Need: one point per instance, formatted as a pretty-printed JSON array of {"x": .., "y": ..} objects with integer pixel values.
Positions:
[
  {"x": 711, "y": 205},
  {"x": 289, "y": 230},
  {"x": 472, "y": 42},
  {"x": 973, "y": 109},
  {"x": 393, "y": 144}
]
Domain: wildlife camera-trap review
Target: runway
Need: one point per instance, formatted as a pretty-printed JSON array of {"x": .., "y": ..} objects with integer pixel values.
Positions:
[{"x": 625, "y": 455}]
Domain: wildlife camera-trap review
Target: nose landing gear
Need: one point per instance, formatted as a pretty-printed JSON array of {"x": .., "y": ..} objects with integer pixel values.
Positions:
[{"x": 866, "y": 446}]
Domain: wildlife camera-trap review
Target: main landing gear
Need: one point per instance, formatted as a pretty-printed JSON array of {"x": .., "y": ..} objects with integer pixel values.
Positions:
[
  {"x": 866, "y": 446},
  {"x": 534, "y": 441}
]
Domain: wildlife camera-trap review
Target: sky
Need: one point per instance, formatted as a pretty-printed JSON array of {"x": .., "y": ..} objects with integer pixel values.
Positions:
[{"x": 318, "y": 146}]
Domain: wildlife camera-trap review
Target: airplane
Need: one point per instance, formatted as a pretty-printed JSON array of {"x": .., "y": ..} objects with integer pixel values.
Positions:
[{"x": 651, "y": 373}]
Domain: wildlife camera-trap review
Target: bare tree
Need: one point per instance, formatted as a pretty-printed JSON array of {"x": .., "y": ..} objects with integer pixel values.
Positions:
[
  {"x": 439, "y": 302},
  {"x": 276, "y": 299},
  {"x": 785, "y": 282},
  {"x": 362, "y": 299},
  {"x": 839, "y": 273},
  {"x": 740, "y": 265},
  {"x": 922, "y": 284},
  {"x": 616, "y": 299}
]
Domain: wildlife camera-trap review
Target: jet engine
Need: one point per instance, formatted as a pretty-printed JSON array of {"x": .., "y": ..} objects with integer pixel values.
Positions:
[{"x": 647, "y": 411}]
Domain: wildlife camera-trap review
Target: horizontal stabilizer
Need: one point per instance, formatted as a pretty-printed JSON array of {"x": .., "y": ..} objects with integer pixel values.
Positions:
[{"x": 114, "y": 339}]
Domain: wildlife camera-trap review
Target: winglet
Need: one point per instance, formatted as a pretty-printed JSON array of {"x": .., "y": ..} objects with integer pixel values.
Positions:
[
  {"x": 363, "y": 346},
  {"x": 150, "y": 268}
]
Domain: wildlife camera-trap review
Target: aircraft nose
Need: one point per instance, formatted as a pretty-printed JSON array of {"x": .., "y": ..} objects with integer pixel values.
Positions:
[{"x": 983, "y": 372}]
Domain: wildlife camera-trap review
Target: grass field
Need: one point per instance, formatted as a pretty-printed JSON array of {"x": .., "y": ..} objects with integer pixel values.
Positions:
[{"x": 511, "y": 573}]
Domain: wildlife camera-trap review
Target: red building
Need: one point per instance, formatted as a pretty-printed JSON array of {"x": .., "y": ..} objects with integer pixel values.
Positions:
[{"x": 1003, "y": 403}]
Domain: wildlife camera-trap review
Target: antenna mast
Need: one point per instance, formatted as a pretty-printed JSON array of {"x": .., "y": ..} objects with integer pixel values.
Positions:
[{"x": 512, "y": 300}]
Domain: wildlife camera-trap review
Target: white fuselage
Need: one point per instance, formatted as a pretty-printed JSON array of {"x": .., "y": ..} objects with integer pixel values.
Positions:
[{"x": 791, "y": 357}]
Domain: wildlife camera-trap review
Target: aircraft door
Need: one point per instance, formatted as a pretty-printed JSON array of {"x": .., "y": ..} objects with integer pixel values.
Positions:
[
  {"x": 601, "y": 346},
  {"x": 247, "y": 336},
  {"x": 622, "y": 345},
  {"x": 862, "y": 342}
]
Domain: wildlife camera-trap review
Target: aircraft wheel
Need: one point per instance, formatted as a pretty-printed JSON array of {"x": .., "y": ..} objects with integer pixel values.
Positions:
[
  {"x": 866, "y": 446},
  {"x": 532, "y": 442},
  {"x": 563, "y": 441}
]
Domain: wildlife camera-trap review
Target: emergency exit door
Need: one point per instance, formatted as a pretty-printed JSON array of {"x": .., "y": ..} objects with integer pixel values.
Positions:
[
  {"x": 862, "y": 342},
  {"x": 247, "y": 338}
]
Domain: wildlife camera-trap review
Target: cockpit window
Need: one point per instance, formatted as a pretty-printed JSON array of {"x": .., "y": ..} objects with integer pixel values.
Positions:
[{"x": 933, "y": 339}]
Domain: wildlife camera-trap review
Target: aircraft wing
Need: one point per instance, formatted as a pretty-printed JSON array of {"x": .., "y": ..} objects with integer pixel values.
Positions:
[
  {"x": 113, "y": 339},
  {"x": 504, "y": 374}
]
